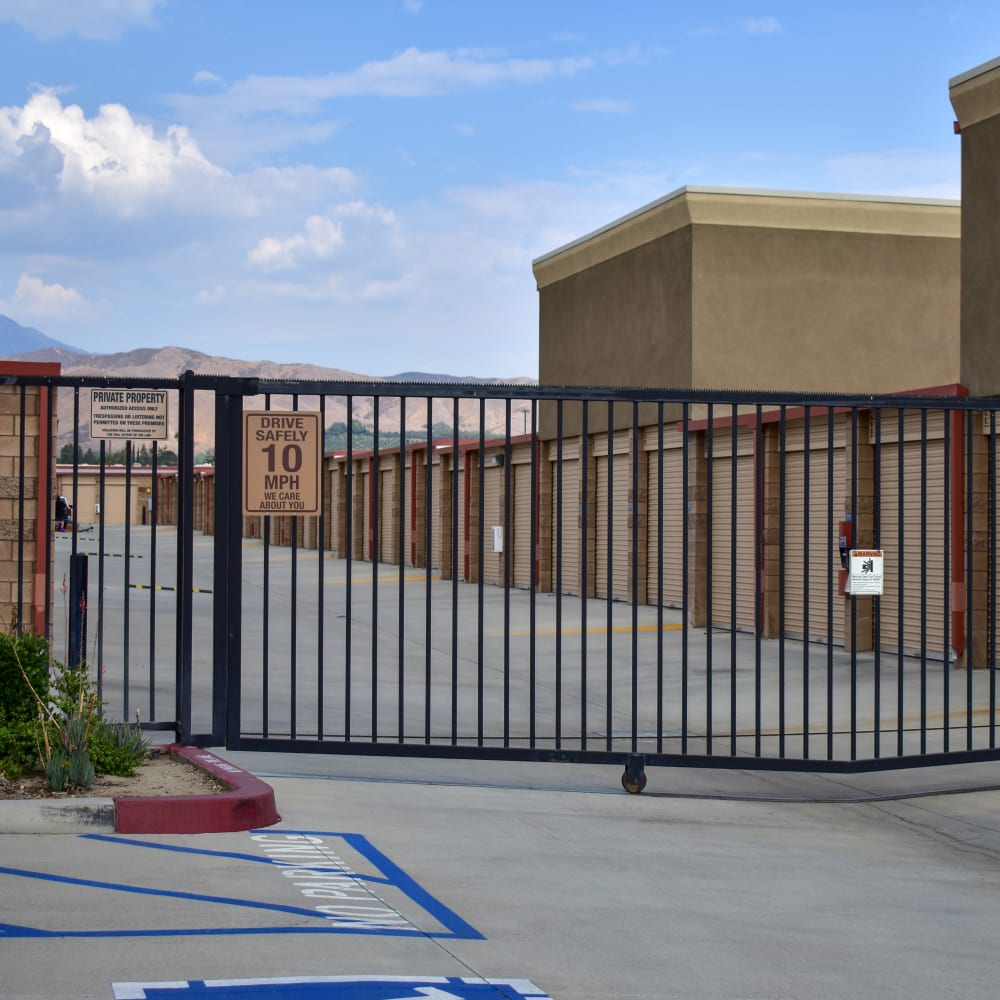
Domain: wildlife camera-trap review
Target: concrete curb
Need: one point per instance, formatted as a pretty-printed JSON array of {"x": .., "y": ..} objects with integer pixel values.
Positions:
[{"x": 248, "y": 804}]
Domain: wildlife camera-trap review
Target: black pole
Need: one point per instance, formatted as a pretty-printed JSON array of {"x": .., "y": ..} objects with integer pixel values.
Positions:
[{"x": 77, "y": 610}]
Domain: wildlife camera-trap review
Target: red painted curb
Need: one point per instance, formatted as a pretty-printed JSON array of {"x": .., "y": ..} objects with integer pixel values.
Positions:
[{"x": 248, "y": 805}]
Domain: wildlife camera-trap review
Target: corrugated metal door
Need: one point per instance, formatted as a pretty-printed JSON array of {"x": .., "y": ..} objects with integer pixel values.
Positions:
[
  {"x": 925, "y": 574},
  {"x": 493, "y": 497},
  {"x": 434, "y": 556},
  {"x": 723, "y": 490},
  {"x": 388, "y": 525},
  {"x": 570, "y": 538},
  {"x": 523, "y": 514},
  {"x": 823, "y": 529},
  {"x": 672, "y": 548},
  {"x": 363, "y": 483},
  {"x": 616, "y": 546}
]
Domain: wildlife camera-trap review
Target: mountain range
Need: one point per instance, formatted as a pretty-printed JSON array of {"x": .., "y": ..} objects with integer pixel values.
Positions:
[{"x": 169, "y": 362}]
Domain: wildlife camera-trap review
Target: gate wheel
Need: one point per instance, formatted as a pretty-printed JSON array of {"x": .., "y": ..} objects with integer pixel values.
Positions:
[{"x": 634, "y": 775}]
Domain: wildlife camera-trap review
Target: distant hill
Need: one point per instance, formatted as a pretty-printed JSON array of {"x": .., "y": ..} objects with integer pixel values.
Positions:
[
  {"x": 17, "y": 339},
  {"x": 169, "y": 362}
]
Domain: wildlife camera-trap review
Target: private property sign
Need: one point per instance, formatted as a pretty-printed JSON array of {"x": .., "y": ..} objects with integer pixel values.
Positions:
[
  {"x": 281, "y": 462},
  {"x": 128, "y": 414}
]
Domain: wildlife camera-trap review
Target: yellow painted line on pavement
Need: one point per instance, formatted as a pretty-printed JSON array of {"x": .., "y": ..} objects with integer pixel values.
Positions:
[{"x": 594, "y": 631}]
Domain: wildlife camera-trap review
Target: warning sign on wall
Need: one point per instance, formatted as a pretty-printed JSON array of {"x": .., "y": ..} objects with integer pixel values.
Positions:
[
  {"x": 128, "y": 414},
  {"x": 866, "y": 572},
  {"x": 281, "y": 462}
]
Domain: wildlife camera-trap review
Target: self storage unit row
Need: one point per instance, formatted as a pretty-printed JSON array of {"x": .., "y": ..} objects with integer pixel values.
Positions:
[{"x": 732, "y": 516}]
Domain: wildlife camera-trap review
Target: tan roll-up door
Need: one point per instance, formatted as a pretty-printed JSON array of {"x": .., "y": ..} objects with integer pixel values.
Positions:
[
  {"x": 567, "y": 545},
  {"x": 521, "y": 529},
  {"x": 723, "y": 489},
  {"x": 619, "y": 479},
  {"x": 493, "y": 499},
  {"x": 387, "y": 523},
  {"x": 927, "y": 570},
  {"x": 363, "y": 483},
  {"x": 672, "y": 491},
  {"x": 823, "y": 529},
  {"x": 434, "y": 558}
]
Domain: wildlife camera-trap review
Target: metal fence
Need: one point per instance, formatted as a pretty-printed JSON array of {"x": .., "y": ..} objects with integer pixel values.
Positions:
[{"x": 523, "y": 572}]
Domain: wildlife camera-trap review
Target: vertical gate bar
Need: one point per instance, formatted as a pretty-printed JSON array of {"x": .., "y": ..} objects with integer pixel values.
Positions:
[
  {"x": 901, "y": 556},
  {"x": 609, "y": 581},
  {"x": 45, "y": 549},
  {"x": 349, "y": 562},
  {"x": 126, "y": 619},
  {"x": 991, "y": 548},
  {"x": 782, "y": 512},
  {"x": 185, "y": 556},
  {"x": 428, "y": 563},
  {"x": 830, "y": 413},
  {"x": 455, "y": 482},
  {"x": 480, "y": 583},
  {"x": 372, "y": 543},
  {"x": 507, "y": 563},
  {"x": 293, "y": 624},
  {"x": 969, "y": 482},
  {"x": 946, "y": 583},
  {"x": 685, "y": 570},
  {"x": 734, "y": 443},
  {"x": 806, "y": 504},
  {"x": 321, "y": 575},
  {"x": 152, "y": 584},
  {"x": 181, "y": 732},
  {"x": 533, "y": 571},
  {"x": 758, "y": 574},
  {"x": 856, "y": 468},
  {"x": 265, "y": 665},
  {"x": 584, "y": 558},
  {"x": 559, "y": 571},
  {"x": 923, "y": 580},
  {"x": 659, "y": 577},
  {"x": 21, "y": 506},
  {"x": 635, "y": 576},
  {"x": 228, "y": 589},
  {"x": 877, "y": 601},
  {"x": 75, "y": 494},
  {"x": 709, "y": 571},
  {"x": 401, "y": 626}
]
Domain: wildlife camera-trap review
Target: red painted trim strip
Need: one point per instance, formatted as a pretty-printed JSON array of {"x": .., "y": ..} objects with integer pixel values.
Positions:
[{"x": 248, "y": 805}]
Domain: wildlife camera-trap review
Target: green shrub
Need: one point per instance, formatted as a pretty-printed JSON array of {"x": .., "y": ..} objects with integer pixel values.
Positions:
[
  {"x": 117, "y": 748},
  {"x": 16, "y": 698},
  {"x": 19, "y": 741}
]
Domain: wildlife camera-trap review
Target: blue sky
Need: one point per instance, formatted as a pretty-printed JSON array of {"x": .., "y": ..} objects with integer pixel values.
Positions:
[{"x": 365, "y": 185}]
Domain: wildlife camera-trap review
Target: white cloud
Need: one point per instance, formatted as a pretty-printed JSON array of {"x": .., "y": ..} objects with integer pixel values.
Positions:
[
  {"x": 110, "y": 158},
  {"x": 322, "y": 236},
  {"x": 604, "y": 105},
  {"x": 206, "y": 76},
  {"x": 98, "y": 19},
  {"x": 762, "y": 26},
  {"x": 35, "y": 302},
  {"x": 413, "y": 6}
]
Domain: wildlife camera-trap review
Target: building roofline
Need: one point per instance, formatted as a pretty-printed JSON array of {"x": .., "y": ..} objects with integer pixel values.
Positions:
[{"x": 803, "y": 210}]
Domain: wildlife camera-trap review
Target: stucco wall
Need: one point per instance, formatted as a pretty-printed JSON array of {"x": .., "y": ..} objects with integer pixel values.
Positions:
[{"x": 826, "y": 311}]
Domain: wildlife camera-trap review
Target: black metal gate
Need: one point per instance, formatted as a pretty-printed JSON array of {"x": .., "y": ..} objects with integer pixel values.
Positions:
[{"x": 521, "y": 572}]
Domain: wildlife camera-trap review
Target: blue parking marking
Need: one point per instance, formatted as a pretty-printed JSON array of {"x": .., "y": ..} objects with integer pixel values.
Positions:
[
  {"x": 337, "y": 988},
  {"x": 328, "y": 882}
]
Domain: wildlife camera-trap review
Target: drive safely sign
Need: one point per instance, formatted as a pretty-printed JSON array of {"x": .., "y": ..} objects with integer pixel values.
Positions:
[{"x": 281, "y": 462}]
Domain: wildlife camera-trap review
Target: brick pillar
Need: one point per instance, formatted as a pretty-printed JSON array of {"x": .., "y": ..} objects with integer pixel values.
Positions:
[{"x": 23, "y": 551}]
